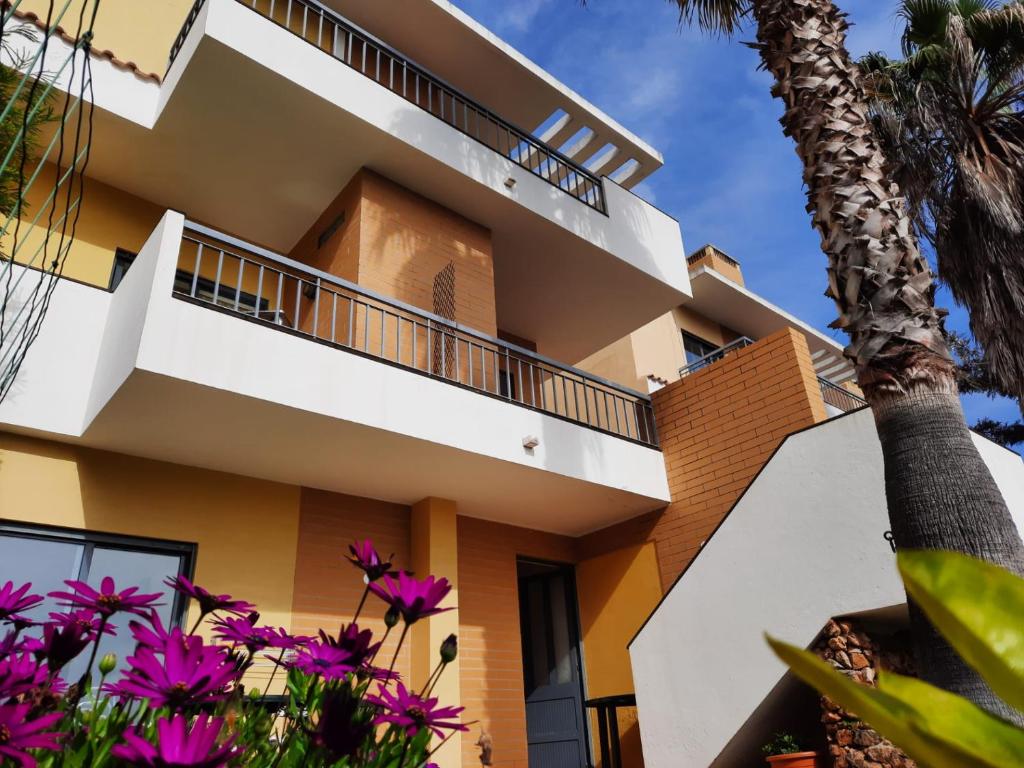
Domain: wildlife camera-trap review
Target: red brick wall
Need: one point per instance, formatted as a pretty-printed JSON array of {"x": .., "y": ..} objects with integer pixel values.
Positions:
[
  {"x": 718, "y": 427},
  {"x": 489, "y": 639},
  {"x": 327, "y": 587}
]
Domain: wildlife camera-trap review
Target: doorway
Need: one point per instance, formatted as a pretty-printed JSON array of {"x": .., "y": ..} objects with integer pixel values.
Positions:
[{"x": 552, "y": 665}]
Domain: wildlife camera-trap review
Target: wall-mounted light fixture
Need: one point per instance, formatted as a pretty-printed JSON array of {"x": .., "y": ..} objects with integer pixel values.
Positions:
[
  {"x": 530, "y": 442},
  {"x": 510, "y": 182}
]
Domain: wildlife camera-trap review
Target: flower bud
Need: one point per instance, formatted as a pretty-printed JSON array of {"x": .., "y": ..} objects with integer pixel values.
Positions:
[
  {"x": 449, "y": 649},
  {"x": 108, "y": 663},
  {"x": 391, "y": 617}
]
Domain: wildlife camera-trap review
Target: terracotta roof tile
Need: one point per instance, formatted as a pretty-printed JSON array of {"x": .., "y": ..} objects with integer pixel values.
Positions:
[{"x": 110, "y": 56}]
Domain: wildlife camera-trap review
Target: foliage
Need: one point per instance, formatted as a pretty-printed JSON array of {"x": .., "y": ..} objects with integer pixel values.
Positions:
[
  {"x": 781, "y": 744},
  {"x": 31, "y": 108},
  {"x": 950, "y": 115},
  {"x": 181, "y": 700},
  {"x": 973, "y": 375},
  {"x": 977, "y": 607}
]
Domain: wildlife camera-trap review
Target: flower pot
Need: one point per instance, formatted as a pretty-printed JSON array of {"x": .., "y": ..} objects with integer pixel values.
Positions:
[{"x": 794, "y": 760}]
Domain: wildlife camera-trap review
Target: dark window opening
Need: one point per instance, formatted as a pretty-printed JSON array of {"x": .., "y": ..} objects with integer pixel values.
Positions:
[
  {"x": 123, "y": 259},
  {"x": 695, "y": 347},
  {"x": 226, "y": 295}
]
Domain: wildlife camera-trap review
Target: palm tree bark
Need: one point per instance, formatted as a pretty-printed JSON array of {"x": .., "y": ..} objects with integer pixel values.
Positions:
[{"x": 939, "y": 491}]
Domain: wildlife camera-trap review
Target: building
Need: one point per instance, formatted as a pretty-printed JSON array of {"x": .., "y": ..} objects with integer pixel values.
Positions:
[{"x": 331, "y": 270}]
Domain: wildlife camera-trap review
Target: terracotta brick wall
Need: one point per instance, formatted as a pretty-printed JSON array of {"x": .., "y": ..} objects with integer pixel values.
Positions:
[
  {"x": 406, "y": 240},
  {"x": 327, "y": 588},
  {"x": 489, "y": 639},
  {"x": 718, "y": 427}
]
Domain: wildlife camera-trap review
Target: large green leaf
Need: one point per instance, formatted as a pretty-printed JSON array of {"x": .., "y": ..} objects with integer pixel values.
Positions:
[
  {"x": 979, "y": 608},
  {"x": 935, "y": 728}
]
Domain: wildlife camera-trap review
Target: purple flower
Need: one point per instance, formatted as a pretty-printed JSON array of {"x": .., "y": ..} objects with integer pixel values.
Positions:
[
  {"x": 178, "y": 745},
  {"x": 279, "y": 638},
  {"x": 414, "y": 598},
  {"x": 368, "y": 560},
  {"x": 328, "y": 661},
  {"x": 189, "y": 672},
  {"x": 357, "y": 643},
  {"x": 209, "y": 602},
  {"x": 14, "y": 601},
  {"x": 108, "y": 600},
  {"x": 61, "y": 643},
  {"x": 85, "y": 620},
  {"x": 342, "y": 729},
  {"x": 154, "y": 636},
  {"x": 18, "y": 734},
  {"x": 20, "y": 674},
  {"x": 242, "y": 632},
  {"x": 412, "y": 713}
]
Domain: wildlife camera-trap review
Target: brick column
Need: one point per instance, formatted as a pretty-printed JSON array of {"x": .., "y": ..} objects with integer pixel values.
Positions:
[{"x": 435, "y": 552}]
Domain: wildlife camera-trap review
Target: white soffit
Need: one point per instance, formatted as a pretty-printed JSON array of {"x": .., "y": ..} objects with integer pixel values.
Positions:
[
  {"x": 733, "y": 306},
  {"x": 453, "y": 46}
]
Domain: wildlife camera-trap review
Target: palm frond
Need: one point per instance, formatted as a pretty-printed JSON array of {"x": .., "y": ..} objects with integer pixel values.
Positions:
[{"x": 714, "y": 16}]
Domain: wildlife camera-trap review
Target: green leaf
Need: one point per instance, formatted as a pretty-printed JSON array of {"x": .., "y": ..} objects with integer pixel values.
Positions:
[
  {"x": 978, "y": 607},
  {"x": 935, "y": 728}
]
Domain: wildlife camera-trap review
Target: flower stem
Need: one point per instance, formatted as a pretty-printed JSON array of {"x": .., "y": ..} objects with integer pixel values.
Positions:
[
  {"x": 88, "y": 667},
  {"x": 362, "y": 602},
  {"x": 196, "y": 625},
  {"x": 443, "y": 665},
  {"x": 429, "y": 682},
  {"x": 405, "y": 751},
  {"x": 405, "y": 630},
  {"x": 273, "y": 672}
]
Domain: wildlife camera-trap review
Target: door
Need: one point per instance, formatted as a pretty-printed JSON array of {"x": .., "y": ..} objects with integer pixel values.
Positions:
[{"x": 552, "y": 670}]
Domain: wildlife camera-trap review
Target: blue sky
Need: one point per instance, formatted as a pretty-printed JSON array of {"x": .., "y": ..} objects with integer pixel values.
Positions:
[{"x": 730, "y": 176}]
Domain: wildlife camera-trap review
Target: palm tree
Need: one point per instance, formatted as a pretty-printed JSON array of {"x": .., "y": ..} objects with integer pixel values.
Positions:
[
  {"x": 939, "y": 492},
  {"x": 950, "y": 117}
]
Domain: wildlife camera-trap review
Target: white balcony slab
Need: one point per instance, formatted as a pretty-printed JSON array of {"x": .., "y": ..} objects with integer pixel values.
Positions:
[{"x": 151, "y": 375}]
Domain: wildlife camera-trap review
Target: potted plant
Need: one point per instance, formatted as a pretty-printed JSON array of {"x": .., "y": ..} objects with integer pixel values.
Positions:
[{"x": 784, "y": 752}]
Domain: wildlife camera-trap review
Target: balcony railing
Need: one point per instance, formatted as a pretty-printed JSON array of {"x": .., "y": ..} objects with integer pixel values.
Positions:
[
  {"x": 840, "y": 398},
  {"x": 220, "y": 272},
  {"x": 350, "y": 45},
  {"x": 714, "y": 357}
]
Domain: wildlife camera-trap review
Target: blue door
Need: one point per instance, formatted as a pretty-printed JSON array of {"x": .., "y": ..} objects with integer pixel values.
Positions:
[{"x": 552, "y": 675}]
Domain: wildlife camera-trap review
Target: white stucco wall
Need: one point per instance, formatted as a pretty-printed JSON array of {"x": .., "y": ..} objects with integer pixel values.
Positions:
[{"x": 803, "y": 544}]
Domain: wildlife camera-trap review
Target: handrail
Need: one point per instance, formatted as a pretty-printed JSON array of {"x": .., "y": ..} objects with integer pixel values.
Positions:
[
  {"x": 715, "y": 356},
  {"x": 266, "y": 287},
  {"x": 354, "y": 47},
  {"x": 840, "y": 398}
]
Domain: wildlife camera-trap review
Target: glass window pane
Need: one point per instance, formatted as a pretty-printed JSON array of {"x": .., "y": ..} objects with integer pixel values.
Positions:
[
  {"x": 563, "y": 666},
  {"x": 144, "y": 570},
  {"x": 44, "y": 563}
]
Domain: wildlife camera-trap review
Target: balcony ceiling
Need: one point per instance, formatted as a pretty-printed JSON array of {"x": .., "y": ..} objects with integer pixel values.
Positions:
[
  {"x": 451, "y": 44},
  {"x": 250, "y": 152}
]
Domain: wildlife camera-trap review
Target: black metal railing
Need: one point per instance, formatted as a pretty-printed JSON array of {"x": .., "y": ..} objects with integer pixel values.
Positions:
[
  {"x": 608, "y": 739},
  {"x": 840, "y": 398},
  {"x": 343, "y": 40},
  {"x": 219, "y": 271},
  {"x": 714, "y": 357}
]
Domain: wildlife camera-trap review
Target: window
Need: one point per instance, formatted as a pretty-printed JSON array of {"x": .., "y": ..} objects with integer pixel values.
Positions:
[
  {"x": 226, "y": 294},
  {"x": 695, "y": 347},
  {"x": 122, "y": 261},
  {"x": 46, "y": 556}
]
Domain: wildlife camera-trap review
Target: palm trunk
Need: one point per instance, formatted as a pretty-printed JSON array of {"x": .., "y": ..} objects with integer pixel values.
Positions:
[{"x": 940, "y": 493}]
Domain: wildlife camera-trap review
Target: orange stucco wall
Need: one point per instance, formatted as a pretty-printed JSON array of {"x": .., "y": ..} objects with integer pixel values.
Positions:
[{"x": 718, "y": 427}]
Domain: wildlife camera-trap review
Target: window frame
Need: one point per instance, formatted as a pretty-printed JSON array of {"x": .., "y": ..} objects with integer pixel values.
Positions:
[
  {"x": 122, "y": 256},
  {"x": 694, "y": 337},
  {"x": 89, "y": 540}
]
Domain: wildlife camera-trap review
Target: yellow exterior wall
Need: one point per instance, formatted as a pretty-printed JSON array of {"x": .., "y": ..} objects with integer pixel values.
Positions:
[
  {"x": 109, "y": 219},
  {"x": 140, "y": 31},
  {"x": 246, "y": 530},
  {"x": 617, "y": 591}
]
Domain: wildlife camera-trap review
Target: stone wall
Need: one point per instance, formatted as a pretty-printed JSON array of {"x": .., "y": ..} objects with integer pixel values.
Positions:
[{"x": 852, "y": 743}]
